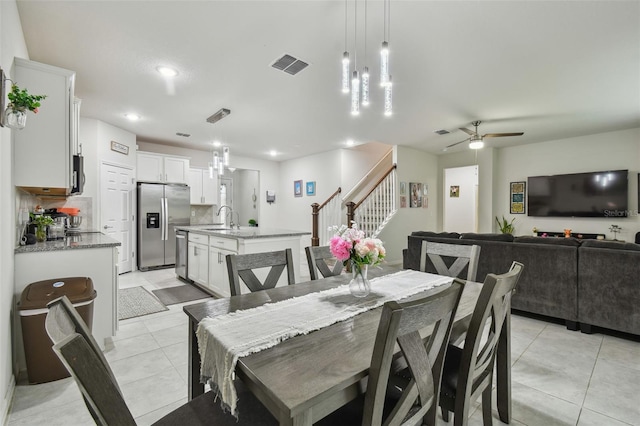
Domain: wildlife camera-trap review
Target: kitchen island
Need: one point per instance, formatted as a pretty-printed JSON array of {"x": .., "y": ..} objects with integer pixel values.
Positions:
[
  {"x": 208, "y": 247},
  {"x": 85, "y": 254}
]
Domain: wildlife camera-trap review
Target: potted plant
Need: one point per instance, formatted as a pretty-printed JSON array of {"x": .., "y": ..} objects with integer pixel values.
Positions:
[
  {"x": 41, "y": 221},
  {"x": 19, "y": 102},
  {"x": 505, "y": 226},
  {"x": 252, "y": 222}
]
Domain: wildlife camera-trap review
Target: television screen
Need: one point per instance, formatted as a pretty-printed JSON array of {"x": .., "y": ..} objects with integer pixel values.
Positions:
[{"x": 596, "y": 194}]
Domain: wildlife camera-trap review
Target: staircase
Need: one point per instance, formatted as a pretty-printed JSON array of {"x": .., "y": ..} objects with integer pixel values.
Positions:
[{"x": 377, "y": 208}]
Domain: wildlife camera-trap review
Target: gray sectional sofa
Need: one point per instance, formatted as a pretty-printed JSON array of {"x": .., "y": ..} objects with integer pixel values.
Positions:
[{"x": 583, "y": 282}]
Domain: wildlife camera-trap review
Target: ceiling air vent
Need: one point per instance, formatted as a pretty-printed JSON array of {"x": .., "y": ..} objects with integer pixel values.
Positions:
[
  {"x": 184, "y": 135},
  {"x": 442, "y": 132},
  {"x": 289, "y": 64}
]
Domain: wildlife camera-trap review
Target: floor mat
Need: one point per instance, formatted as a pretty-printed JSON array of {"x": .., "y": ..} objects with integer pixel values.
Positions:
[
  {"x": 180, "y": 294},
  {"x": 137, "y": 301}
]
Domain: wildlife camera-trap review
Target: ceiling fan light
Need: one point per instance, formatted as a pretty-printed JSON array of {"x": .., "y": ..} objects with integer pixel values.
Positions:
[{"x": 476, "y": 143}]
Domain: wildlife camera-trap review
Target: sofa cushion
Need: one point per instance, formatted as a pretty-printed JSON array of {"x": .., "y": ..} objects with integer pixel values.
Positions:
[
  {"x": 573, "y": 242},
  {"x": 487, "y": 237},
  {"x": 616, "y": 245},
  {"x": 453, "y": 235}
]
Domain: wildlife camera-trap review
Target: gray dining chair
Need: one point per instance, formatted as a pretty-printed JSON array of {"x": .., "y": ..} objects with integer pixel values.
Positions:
[
  {"x": 450, "y": 259},
  {"x": 242, "y": 266},
  {"x": 468, "y": 371},
  {"x": 320, "y": 260},
  {"x": 400, "y": 324},
  {"x": 80, "y": 354}
]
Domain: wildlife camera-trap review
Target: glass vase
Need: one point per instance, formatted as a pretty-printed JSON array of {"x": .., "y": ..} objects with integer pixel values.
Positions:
[
  {"x": 359, "y": 285},
  {"x": 41, "y": 233},
  {"x": 15, "y": 118}
]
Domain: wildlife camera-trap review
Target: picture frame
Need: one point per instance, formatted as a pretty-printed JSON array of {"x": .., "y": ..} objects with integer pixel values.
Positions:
[
  {"x": 311, "y": 188},
  {"x": 517, "y": 194},
  {"x": 118, "y": 147},
  {"x": 415, "y": 194},
  {"x": 454, "y": 191},
  {"x": 297, "y": 188},
  {"x": 403, "y": 188}
]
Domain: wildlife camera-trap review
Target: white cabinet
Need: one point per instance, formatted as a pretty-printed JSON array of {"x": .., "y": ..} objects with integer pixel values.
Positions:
[
  {"x": 161, "y": 168},
  {"x": 43, "y": 149},
  {"x": 203, "y": 187},
  {"x": 198, "y": 258},
  {"x": 219, "y": 248}
]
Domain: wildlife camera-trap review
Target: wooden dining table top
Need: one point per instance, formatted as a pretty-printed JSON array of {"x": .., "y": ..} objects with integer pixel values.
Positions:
[{"x": 302, "y": 379}]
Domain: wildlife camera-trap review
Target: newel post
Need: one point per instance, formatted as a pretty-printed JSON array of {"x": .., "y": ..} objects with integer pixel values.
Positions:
[
  {"x": 315, "y": 210},
  {"x": 351, "y": 212}
]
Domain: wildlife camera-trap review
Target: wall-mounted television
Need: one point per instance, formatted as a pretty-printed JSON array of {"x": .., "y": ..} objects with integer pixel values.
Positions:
[{"x": 596, "y": 194}]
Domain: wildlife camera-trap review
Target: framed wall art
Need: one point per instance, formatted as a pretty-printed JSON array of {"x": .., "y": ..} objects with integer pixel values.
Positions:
[
  {"x": 516, "y": 197},
  {"x": 311, "y": 188},
  {"x": 297, "y": 188},
  {"x": 415, "y": 194}
]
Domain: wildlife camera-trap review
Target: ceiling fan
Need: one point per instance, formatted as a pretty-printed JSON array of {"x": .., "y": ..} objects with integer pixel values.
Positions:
[{"x": 476, "y": 141}]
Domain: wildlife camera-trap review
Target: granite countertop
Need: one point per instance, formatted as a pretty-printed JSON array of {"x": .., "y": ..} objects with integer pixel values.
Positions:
[
  {"x": 245, "y": 232},
  {"x": 80, "y": 240}
]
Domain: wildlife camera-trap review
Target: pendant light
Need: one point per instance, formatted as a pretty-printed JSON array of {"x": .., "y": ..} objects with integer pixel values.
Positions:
[
  {"x": 365, "y": 71},
  {"x": 388, "y": 101},
  {"x": 355, "y": 80},
  {"x": 384, "y": 51},
  {"x": 225, "y": 155},
  {"x": 345, "y": 56}
]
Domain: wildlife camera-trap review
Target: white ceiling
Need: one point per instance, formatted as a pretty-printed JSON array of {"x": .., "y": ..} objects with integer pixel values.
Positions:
[{"x": 552, "y": 69}]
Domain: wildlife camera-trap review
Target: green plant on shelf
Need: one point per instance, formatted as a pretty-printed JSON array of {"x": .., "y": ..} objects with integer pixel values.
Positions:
[{"x": 505, "y": 226}]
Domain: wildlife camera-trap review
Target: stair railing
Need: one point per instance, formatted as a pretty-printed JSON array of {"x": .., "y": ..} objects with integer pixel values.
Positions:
[
  {"x": 324, "y": 215},
  {"x": 376, "y": 208}
]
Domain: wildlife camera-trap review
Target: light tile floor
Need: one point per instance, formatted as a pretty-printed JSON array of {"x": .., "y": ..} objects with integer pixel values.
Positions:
[{"x": 560, "y": 377}]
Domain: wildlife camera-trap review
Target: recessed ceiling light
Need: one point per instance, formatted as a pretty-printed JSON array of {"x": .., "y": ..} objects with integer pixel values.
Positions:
[
  {"x": 273, "y": 153},
  {"x": 217, "y": 143},
  {"x": 167, "y": 72},
  {"x": 132, "y": 117},
  {"x": 350, "y": 142}
]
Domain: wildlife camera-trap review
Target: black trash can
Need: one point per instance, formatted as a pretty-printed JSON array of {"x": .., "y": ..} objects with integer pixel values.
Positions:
[{"x": 43, "y": 365}]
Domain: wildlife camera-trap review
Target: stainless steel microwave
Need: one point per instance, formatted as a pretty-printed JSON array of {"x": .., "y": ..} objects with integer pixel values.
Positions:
[{"x": 78, "y": 177}]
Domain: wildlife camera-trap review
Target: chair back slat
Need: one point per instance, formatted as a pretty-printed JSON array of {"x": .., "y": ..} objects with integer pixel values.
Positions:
[
  {"x": 400, "y": 324},
  {"x": 317, "y": 258},
  {"x": 465, "y": 257},
  {"x": 243, "y": 266},
  {"x": 80, "y": 354}
]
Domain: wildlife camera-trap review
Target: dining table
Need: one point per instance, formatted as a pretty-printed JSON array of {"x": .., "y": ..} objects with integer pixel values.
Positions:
[{"x": 302, "y": 379}]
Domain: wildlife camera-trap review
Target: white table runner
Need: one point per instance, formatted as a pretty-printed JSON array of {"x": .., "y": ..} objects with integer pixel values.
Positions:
[{"x": 223, "y": 339}]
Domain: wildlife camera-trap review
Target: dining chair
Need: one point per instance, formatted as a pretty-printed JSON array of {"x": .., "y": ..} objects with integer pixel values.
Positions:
[
  {"x": 400, "y": 323},
  {"x": 464, "y": 255},
  {"x": 81, "y": 355},
  {"x": 242, "y": 266},
  {"x": 317, "y": 258},
  {"x": 468, "y": 371}
]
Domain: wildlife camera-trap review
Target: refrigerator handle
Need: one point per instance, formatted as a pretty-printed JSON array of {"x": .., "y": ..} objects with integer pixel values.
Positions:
[
  {"x": 163, "y": 218},
  {"x": 166, "y": 218}
]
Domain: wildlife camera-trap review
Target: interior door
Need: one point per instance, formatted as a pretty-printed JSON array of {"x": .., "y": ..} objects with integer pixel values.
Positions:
[{"x": 116, "y": 213}]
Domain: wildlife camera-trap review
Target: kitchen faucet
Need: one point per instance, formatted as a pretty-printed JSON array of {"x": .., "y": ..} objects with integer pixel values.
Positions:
[{"x": 231, "y": 218}]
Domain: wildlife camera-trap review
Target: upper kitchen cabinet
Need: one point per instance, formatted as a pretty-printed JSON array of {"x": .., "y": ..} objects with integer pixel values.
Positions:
[
  {"x": 44, "y": 149},
  {"x": 204, "y": 188},
  {"x": 153, "y": 167}
]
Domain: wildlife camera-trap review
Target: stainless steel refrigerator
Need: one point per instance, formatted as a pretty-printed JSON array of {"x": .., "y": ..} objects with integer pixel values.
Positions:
[{"x": 161, "y": 207}]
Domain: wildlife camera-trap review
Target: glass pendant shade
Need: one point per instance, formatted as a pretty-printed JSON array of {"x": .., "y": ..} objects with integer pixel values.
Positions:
[
  {"x": 476, "y": 143},
  {"x": 384, "y": 64},
  {"x": 225, "y": 155},
  {"x": 355, "y": 94},
  {"x": 221, "y": 170},
  {"x": 388, "y": 98},
  {"x": 210, "y": 170},
  {"x": 365, "y": 86},
  {"x": 216, "y": 160},
  {"x": 345, "y": 72}
]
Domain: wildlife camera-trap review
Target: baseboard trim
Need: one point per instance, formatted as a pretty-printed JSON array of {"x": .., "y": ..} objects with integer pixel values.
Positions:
[{"x": 8, "y": 399}]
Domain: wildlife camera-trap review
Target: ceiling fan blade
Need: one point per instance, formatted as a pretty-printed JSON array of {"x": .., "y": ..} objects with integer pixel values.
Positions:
[
  {"x": 499, "y": 135},
  {"x": 457, "y": 143},
  {"x": 467, "y": 131}
]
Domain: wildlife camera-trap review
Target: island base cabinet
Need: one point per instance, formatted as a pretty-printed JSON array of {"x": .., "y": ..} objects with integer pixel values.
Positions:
[
  {"x": 99, "y": 264},
  {"x": 198, "y": 260},
  {"x": 218, "y": 273}
]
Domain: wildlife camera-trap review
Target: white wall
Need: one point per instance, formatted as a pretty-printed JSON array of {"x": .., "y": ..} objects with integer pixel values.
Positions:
[
  {"x": 460, "y": 212},
  {"x": 12, "y": 45},
  {"x": 412, "y": 166},
  {"x": 245, "y": 182},
  {"x": 605, "y": 151}
]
